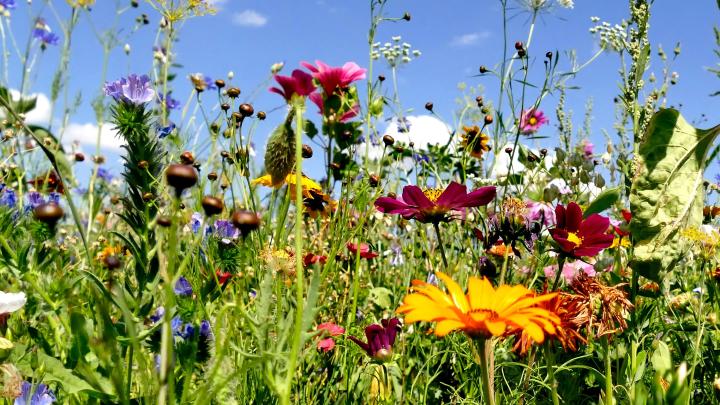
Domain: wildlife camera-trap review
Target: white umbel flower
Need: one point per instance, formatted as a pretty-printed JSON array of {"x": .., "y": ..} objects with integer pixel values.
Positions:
[
  {"x": 566, "y": 3},
  {"x": 11, "y": 302}
]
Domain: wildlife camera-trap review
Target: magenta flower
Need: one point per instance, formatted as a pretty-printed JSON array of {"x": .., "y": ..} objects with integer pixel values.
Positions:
[
  {"x": 364, "y": 248},
  {"x": 380, "y": 339},
  {"x": 331, "y": 330},
  {"x": 588, "y": 148},
  {"x": 332, "y": 78},
  {"x": 435, "y": 205},
  {"x": 531, "y": 120},
  {"x": 577, "y": 236},
  {"x": 317, "y": 98},
  {"x": 298, "y": 82}
]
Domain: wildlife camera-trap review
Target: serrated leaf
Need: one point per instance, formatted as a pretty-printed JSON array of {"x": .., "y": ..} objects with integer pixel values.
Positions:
[
  {"x": 603, "y": 201},
  {"x": 667, "y": 191}
]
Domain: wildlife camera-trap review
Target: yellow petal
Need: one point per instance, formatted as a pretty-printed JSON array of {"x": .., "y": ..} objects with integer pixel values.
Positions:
[
  {"x": 455, "y": 291},
  {"x": 497, "y": 328},
  {"x": 446, "y": 326}
]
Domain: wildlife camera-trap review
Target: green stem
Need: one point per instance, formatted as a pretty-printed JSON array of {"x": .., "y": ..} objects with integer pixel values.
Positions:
[
  {"x": 561, "y": 264},
  {"x": 550, "y": 360},
  {"x": 298, "y": 105},
  {"x": 440, "y": 243},
  {"x": 167, "y": 380},
  {"x": 486, "y": 363},
  {"x": 608, "y": 374}
]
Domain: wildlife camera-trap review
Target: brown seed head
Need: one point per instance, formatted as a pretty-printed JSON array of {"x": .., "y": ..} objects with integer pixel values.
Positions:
[{"x": 212, "y": 205}]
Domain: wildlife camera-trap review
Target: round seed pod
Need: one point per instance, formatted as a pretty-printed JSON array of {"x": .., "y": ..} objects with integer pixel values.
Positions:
[
  {"x": 307, "y": 151},
  {"x": 181, "y": 177},
  {"x": 233, "y": 92},
  {"x": 246, "y": 109},
  {"x": 212, "y": 205},
  {"x": 164, "y": 221},
  {"x": 187, "y": 158},
  {"x": 246, "y": 221},
  {"x": 48, "y": 213},
  {"x": 388, "y": 140}
]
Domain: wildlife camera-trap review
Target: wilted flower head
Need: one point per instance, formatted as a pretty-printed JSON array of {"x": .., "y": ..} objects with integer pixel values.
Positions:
[
  {"x": 603, "y": 307},
  {"x": 134, "y": 89},
  {"x": 531, "y": 120},
  {"x": 335, "y": 78},
  {"x": 380, "y": 339},
  {"x": 11, "y": 381},
  {"x": 298, "y": 82},
  {"x": 35, "y": 395},
  {"x": 435, "y": 205}
]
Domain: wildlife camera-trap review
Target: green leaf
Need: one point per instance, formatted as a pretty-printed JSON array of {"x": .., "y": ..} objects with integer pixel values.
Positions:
[
  {"x": 667, "y": 191},
  {"x": 380, "y": 296},
  {"x": 661, "y": 359},
  {"x": 603, "y": 201}
]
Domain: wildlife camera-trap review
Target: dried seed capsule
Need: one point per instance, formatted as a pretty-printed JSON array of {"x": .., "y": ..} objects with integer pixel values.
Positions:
[
  {"x": 212, "y": 176},
  {"x": 225, "y": 106},
  {"x": 429, "y": 106},
  {"x": 79, "y": 157},
  {"x": 233, "y": 92},
  {"x": 187, "y": 158},
  {"x": 246, "y": 221},
  {"x": 374, "y": 180},
  {"x": 307, "y": 151},
  {"x": 246, "y": 109},
  {"x": 388, "y": 140},
  {"x": 220, "y": 83},
  {"x": 48, "y": 213},
  {"x": 488, "y": 119},
  {"x": 181, "y": 177},
  {"x": 212, "y": 205},
  {"x": 261, "y": 115}
]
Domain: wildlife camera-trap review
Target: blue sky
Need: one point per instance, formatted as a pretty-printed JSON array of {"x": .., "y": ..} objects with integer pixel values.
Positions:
[{"x": 454, "y": 36}]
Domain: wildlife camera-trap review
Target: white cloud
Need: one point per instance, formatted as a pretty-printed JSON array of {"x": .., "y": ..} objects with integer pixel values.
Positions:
[
  {"x": 41, "y": 114},
  {"x": 470, "y": 39},
  {"x": 249, "y": 18},
  {"x": 86, "y": 134},
  {"x": 423, "y": 130}
]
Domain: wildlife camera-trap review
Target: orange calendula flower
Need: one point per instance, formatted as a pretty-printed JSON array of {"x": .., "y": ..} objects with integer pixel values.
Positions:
[
  {"x": 483, "y": 312},
  {"x": 475, "y": 142}
]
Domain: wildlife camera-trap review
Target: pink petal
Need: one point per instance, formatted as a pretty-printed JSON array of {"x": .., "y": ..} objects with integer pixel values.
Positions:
[{"x": 413, "y": 195}]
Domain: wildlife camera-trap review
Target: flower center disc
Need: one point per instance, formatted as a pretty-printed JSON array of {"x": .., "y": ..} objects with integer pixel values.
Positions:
[
  {"x": 532, "y": 120},
  {"x": 433, "y": 194},
  {"x": 572, "y": 237}
]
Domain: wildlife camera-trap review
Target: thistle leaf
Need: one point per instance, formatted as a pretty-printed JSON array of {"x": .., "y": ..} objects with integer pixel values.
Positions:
[{"x": 667, "y": 192}]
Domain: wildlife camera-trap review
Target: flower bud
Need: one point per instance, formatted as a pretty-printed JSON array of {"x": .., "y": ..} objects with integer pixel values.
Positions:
[
  {"x": 246, "y": 221},
  {"x": 406, "y": 16},
  {"x": 307, "y": 151},
  {"x": 246, "y": 109},
  {"x": 381, "y": 78},
  {"x": 181, "y": 177},
  {"x": 233, "y": 92},
  {"x": 48, "y": 213},
  {"x": 518, "y": 45},
  {"x": 388, "y": 140},
  {"x": 429, "y": 106},
  {"x": 220, "y": 83},
  {"x": 164, "y": 221},
  {"x": 261, "y": 115},
  {"x": 483, "y": 69},
  {"x": 225, "y": 106},
  {"x": 488, "y": 119},
  {"x": 212, "y": 176},
  {"x": 187, "y": 158},
  {"x": 79, "y": 157}
]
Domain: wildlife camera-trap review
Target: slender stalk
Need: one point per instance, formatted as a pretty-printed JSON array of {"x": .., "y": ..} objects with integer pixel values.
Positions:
[
  {"x": 167, "y": 380},
  {"x": 298, "y": 105},
  {"x": 550, "y": 361},
  {"x": 440, "y": 243},
  {"x": 561, "y": 264},
  {"x": 487, "y": 361},
  {"x": 608, "y": 373}
]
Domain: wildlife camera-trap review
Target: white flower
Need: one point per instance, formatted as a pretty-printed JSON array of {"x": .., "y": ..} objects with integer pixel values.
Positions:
[
  {"x": 11, "y": 302},
  {"x": 566, "y": 3}
]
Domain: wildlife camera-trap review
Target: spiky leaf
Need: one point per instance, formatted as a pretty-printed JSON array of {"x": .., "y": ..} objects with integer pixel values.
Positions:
[{"x": 667, "y": 191}]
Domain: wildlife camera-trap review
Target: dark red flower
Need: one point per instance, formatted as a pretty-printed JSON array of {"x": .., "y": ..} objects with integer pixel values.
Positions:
[
  {"x": 223, "y": 276},
  {"x": 380, "y": 339},
  {"x": 49, "y": 182},
  {"x": 622, "y": 228},
  {"x": 310, "y": 258},
  {"x": 365, "y": 251},
  {"x": 435, "y": 205},
  {"x": 580, "y": 237},
  {"x": 298, "y": 82}
]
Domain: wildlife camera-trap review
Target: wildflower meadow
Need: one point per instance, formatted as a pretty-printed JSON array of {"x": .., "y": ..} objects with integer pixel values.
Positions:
[{"x": 361, "y": 202}]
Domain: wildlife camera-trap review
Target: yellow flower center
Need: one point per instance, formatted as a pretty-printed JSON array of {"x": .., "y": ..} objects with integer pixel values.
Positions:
[
  {"x": 532, "y": 121},
  {"x": 572, "y": 237},
  {"x": 433, "y": 193}
]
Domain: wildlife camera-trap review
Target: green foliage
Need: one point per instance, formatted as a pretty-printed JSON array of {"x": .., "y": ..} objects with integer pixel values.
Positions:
[{"x": 667, "y": 190}]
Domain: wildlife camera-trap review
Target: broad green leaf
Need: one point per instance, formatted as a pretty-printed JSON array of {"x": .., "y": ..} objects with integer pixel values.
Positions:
[
  {"x": 667, "y": 191},
  {"x": 603, "y": 201},
  {"x": 661, "y": 359}
]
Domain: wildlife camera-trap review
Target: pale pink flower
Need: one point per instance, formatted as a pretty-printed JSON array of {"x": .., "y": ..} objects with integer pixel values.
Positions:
[
  {"x": 332, "y": 78},
  {"x": 540, "y": 211},
  {"x": 588, "y": 148},
  {"x": 531, "y": 120},
  {"x": 570, "y": 270}
]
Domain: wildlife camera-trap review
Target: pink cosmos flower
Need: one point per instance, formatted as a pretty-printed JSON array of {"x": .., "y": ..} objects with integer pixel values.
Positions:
[
  {"x": 541, "y": 211},
  {"x": 364, "y": 248},
  {"x": 317, "y": 98},
  {"x": 332, "y": 330},
  {"x": 332, "y": 78},
  {"x": 578, "y": 236},
  {"x": 588, "y": 148},
  {"x": 298, "y": 82},
  {"x": 531, "y": 120},
  {"x": 570, "y": 270},
  {"x": 435, "y": 205}
]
